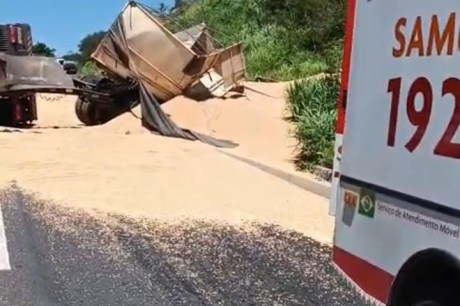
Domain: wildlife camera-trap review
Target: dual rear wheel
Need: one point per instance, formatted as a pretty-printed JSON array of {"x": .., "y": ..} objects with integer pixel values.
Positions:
[
  {"x": 89, "y": 112},
  {"x": 123, "y": 98}
]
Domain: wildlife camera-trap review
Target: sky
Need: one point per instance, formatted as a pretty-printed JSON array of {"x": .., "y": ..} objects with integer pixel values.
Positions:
[{"x": 61, "y": 24}]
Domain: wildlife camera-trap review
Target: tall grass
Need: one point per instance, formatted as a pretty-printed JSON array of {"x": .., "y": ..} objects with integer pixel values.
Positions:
[
  {"x": 311, "y": 104},
  {"x": 282, "y": 39}
]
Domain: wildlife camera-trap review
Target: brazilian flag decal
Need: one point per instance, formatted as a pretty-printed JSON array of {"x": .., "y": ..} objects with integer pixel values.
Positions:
[{"x": 367, "y": 203}]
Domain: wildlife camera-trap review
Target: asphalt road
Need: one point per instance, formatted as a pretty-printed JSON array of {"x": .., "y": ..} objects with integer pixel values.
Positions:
[{"x": 65, "y": 257}]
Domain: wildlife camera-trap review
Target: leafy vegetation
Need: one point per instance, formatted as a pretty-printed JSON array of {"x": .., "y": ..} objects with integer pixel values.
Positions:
[
  {"x": 283, "y": 39},
  {"x": 88, "y": 68},
  {"x": 40, "y": 48},
  {"x": 311, "y": 104},
  {"x": 88, "y": 44}
]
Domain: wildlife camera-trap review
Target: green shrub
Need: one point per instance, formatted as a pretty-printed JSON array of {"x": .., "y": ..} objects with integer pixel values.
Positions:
[
  {"x": 332, "y": 56},
  {"x": 88, "y": 68},
  {"x": 311, "y": 105},
  {"x": 282, "y": 40}
]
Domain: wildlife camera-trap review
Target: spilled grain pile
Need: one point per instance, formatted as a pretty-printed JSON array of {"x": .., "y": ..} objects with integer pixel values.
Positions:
[{"x": 140, "y": 219}]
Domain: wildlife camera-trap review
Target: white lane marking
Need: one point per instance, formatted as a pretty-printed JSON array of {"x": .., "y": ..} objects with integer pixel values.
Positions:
[{"x": 4, "y": 256}]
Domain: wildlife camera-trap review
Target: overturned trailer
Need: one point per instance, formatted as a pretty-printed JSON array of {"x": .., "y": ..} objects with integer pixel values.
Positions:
[
  {"x": 143, "y": 62},
  {"x": 140, "y": 62}
]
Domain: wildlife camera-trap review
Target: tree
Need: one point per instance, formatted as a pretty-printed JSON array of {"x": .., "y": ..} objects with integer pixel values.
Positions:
[
  {"x": 179, "y": 3},
  {"x": 88, "y": 44},
  {"x": 72, "y": 56},
  {"x": 40, "y": 48},
  {"x": 163, "y": 8}
]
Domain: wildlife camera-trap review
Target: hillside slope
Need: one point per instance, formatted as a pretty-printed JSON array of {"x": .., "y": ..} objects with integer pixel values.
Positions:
[{"x": 283, "y": 39}]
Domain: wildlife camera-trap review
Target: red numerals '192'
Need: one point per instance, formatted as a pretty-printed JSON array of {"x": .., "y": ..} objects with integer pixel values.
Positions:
[{"x": 420, "y": 118}]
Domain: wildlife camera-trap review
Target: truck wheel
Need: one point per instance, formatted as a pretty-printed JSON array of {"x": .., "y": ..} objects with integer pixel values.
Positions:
[
  {"x": 81, "y": 115},
  {"x": 87, "y": 112}
]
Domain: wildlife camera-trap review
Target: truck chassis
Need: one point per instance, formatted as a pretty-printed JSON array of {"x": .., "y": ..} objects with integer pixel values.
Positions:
[{"x": 100, "y": 99}]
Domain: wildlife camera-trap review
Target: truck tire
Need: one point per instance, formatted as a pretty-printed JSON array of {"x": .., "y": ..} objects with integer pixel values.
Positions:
[
  {"x": 122, "y": 98},
  {"x": 79, "y": 111},
  {"x": 86, "y": 112}
]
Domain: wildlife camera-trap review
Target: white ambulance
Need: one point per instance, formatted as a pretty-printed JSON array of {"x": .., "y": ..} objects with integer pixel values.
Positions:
[{"x": 396, "y": 185}]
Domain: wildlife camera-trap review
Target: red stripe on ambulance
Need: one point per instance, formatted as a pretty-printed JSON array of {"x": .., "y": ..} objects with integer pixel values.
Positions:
[
  {"x": 340, "y": 123},
  {"x": 371, "y": 279}
]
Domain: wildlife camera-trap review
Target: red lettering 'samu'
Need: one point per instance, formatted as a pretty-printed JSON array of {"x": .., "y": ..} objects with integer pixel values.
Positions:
[{"x": 412, "y": 40}]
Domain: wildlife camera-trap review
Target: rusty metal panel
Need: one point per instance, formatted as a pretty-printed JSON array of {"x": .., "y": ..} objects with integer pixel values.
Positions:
[
  {"x": 138, "y": 44},
  {"x": 167, "y": 64},
  {"x": 154, "y": 49},
  {"x": 230, "y": 65},
  {"x": 198, "y": 39}
]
